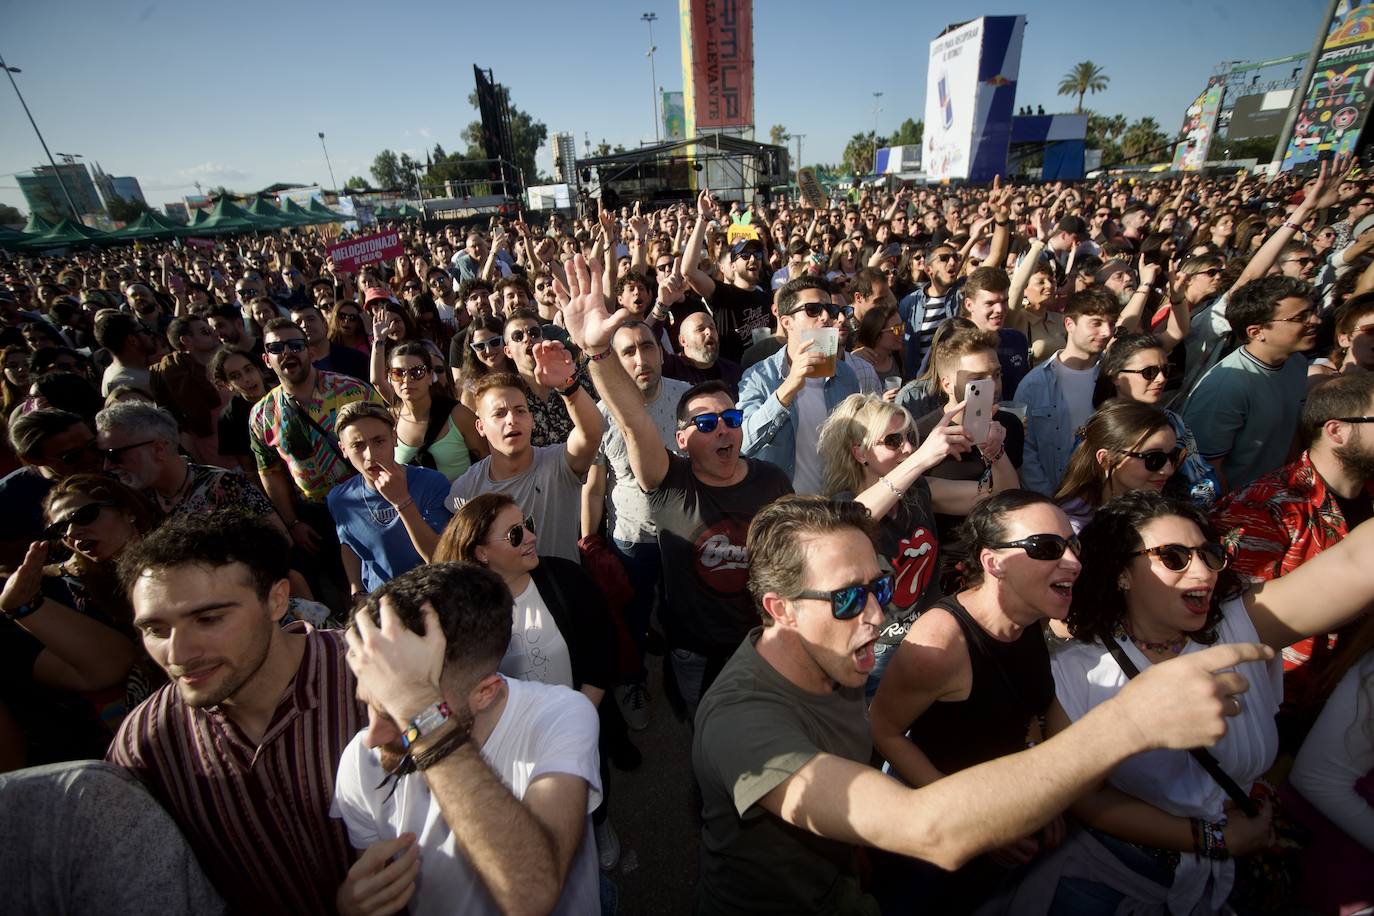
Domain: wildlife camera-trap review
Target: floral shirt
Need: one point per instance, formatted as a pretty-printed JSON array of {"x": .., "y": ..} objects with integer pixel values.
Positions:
[
  {"x": 211, "y": 489},
  {"x": 552, "y": 422},
  {"x": 281, "y": 435}
]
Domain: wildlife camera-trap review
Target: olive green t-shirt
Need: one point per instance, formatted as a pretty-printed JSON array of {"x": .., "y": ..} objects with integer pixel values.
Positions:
[{"x": 754, "y": 729}]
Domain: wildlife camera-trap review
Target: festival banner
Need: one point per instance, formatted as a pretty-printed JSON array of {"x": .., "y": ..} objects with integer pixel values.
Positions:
[
  {"x": 1337, "y": 102},
  {"x": 970, "y": 94},
  {"x": 1199, "y": 126},
  {"x": 719, "y": 63},
  {"x": 349, "y": 256},
  {"x": 674, "y": 117}
]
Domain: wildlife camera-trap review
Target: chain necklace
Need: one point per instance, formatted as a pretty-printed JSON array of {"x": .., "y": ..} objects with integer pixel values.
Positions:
[
  {"x": 1168, "y": 647},
  {"x": 382, "y": 517}
]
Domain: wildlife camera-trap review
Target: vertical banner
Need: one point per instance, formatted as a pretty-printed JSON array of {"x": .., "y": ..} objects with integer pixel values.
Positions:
[
  {"x": 1199, "y": 126},
  {"x": 674, "y": 117},
  {"x": 970, "y": 97},
  {"x": 1334, "y": 110},
  {"x": 721, "y": 62}
]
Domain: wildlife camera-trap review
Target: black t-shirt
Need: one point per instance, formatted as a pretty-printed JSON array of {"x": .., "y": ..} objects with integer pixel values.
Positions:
[
  {"x": 760, "y": 351},
  {"x": 233, "y": 428},
  {"x": 701, "y": 535},
  {"x": 969, "y": 466},
  {"x": 345, "y": 361},
  {"x": 677, "y": 367},
  {"x": 738, "y": 312},
  {"x": 1354, "y": 510}
]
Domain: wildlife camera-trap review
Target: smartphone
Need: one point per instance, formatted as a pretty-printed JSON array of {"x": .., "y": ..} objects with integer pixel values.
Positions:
[{"x": 978, "y": 409}]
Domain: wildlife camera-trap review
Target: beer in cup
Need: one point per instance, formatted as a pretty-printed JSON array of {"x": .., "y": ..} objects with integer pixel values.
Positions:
[{"x": 825, "y": 341}]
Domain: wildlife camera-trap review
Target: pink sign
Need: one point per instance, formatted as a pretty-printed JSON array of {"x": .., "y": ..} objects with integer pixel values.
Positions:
[{"x": 350, "y": 255}]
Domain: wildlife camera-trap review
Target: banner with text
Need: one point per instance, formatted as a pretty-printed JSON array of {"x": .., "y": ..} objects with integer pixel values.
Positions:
[
  {"x": 1199, "y": 126},
  {"x": 718, "y": 63},
  {"x": 1336, "y": 105},
  {"x": 350, "y": 255},
  {"x": 970, "y": 94}
]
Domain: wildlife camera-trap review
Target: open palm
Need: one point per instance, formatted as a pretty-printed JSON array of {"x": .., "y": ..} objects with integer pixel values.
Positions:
[{"x": 590, "y": 324}]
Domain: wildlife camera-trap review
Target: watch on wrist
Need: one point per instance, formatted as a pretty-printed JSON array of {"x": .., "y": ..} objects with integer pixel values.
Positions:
[{"x": 426, "y": 723}]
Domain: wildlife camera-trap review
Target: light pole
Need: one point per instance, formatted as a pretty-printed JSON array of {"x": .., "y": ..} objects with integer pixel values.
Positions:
[
  {"x": 798, "y": 138},
  {"x": 10, "y": 71},
  {"x": 877, "y": 97},
  {"x": 649, "y": 19},
  {"x": 328, "y": 163}
]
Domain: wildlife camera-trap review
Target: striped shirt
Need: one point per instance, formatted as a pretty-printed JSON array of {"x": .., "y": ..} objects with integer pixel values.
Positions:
[{"x": 257, "y": 816}]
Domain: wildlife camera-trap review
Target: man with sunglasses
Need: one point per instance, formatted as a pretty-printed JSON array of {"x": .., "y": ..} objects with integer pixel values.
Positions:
[
  {"x": 740, "y": 304},
  {"x": 553, "y": 423},
  {"x": 782, "y": 745},
  {"x": 1244, "y": 411},
  {"x": 326, "y": 355},
  {"x": 925, "y": 307},
  {"x": 700, "y": 504},
  {"x": 440, "y": 285},
  {"x": 50, "y": 444}
]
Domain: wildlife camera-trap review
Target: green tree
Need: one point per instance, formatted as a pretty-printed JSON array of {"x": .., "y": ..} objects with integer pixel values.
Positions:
[
  {"x": 1144, "y": 141},
  {"x": 526, "y": 133},
  {"x": 778, "y": 135},
  {"x": 356, "y": 183},
  {"x": 1085, "y": 77},
  {"x": 860, "y": 152},
  {"x": 909, "y": 133},
  {"x": 125, "y": 211},
  {"x": 387, "y": 171},
  {"x": 9, "y": 216},
  {"x": 602, "y": 149}
]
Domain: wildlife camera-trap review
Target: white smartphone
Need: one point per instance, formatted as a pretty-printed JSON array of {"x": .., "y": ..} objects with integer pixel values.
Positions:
[{"x": 978, "y": 409}]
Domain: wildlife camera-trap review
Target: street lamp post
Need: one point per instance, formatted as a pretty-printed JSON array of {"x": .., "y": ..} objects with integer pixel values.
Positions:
[
  {"x": 877, "y": 97},
  {"x": 10, "y": 71},
  {"x": 649, "y": 19},
  {"x": 798, "y": 138},
  {"x": 328, "y": 163}
]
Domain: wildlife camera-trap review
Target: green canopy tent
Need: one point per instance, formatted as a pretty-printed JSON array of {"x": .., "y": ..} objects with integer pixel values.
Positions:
[
  {"x": 36, "y": 225},
  {"x": 149, "y": 225},
  {"x": 404, "y": 211},
  {"x": 67, "y": 233},
  {"x": 227, "y": 217},
  {"x": 267, "y": 214},
  {"x": 306, "y": 217},
  {"x": 320, "y": 209},
  {"x": 12, "y": 239},
  {"x": 198, "y": 217}
]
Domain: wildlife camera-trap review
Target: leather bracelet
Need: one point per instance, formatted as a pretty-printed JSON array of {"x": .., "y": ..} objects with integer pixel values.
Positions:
[
  {"x": 1287, "y": 225},
  {"x": 442, "y": 747},
  {"x": 571, "y": 389},
  {"x": 597, "y": 357}
]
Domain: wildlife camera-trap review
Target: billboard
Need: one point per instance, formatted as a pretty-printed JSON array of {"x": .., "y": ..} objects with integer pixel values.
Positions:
[
  {"x": 895, "y": 160},
  {"x": 717, "y": 64},
  {"x": 1259, "y": 115},
  {"x": 350, "y": 255},
  {"x": 674, "y": 117},
  {"x": 1199, "y": 126},
  {"x": 1333, "y": 112},
  {"x": 970, "y": 94}
]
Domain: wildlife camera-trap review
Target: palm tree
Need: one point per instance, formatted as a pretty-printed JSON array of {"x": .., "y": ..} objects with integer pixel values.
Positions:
[
  {"x": 1142, "y": 137},
  {"x": 1085, "y": 77}
]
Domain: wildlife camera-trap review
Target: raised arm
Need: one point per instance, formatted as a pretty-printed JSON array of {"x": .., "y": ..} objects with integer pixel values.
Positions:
[
  {"x": 554, "y": 368},
  {"x": 698, "y": 279},
  {"x": 592, "y": 327},
  {"x": 1268, "y": 253},
  {"x": 945, "y": 440}
]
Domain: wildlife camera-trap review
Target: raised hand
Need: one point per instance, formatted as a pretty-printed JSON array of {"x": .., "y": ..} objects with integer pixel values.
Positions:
[
  {"x": 391, "y": 483},
  {"x": 707, "y": 208},
  {"x": 553, "y": 364},
  {"x": 397, "y": 668},
  {"x": 590, "y": 324},
  {"x": 382, "y": 881},
  {"x": 23, "y": 584},
  {"x": 946, "y": 440}
]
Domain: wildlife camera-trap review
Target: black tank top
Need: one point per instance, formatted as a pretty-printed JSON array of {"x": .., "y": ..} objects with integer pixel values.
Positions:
[{"x": 1012, "y": 685}]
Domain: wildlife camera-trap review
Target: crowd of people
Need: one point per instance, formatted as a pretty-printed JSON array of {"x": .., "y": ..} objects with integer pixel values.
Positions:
[{"x": 1003, "y": 547}]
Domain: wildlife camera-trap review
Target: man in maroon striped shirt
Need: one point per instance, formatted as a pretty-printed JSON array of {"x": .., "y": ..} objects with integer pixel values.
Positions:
[{"x": 243, "y": 745}]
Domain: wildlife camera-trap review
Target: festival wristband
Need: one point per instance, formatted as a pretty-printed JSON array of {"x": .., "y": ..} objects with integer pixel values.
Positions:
[{"x": 426, "y": 723}]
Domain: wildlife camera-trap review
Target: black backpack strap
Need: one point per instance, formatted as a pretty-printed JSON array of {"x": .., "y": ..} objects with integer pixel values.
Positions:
[
  {"x": 324, "y": 433},
  {"x": 440, "y": 412},
  {"x": 1202, "y": 756}
]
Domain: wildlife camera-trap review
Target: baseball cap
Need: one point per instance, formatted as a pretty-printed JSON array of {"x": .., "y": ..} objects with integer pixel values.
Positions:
[
  {"x": 744, "y": 246},
  {"x": 1073, "y": 224},
  {"x": 378, "y": 292}
]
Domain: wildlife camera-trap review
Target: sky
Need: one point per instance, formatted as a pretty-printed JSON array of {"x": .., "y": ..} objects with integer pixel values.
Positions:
[{"x": 236, "y": 93}]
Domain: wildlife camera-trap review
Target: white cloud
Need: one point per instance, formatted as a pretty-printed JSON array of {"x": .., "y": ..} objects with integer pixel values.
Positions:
[
  {"x": 424, "y": 132},
  {"x": 214, "y": 171}
]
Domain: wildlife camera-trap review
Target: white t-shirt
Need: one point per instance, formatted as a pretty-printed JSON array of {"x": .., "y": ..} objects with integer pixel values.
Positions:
[
  {"x": 1077, "y": 388},
  {"x": 542, "y": 730},
  {"x": 537, "y": 650},
  {"x": 806, "y": 480}
]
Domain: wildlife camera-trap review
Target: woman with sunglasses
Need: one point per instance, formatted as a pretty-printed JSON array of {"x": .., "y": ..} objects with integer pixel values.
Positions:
[
  {"x": 1124, "y": 446},
  {"x": 416, "y": 402},
  {"x": 971, "y": 680},
  {"x": 1156, "y": 585},
  {"x": 429, "y": 325},
  {"x": 1137, "y": 368},
  {"x": 878, "y": 341},
  {"x": 483, "y": 354},
  {"x": 347, "y": 327}
]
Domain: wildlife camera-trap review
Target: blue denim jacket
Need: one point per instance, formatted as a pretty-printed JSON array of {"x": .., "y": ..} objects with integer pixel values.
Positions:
[
  {"x": 1050, "y": 435},
  {"x": 770, "y": 431}
]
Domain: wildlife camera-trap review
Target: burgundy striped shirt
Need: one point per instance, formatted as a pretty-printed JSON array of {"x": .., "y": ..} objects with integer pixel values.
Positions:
[{"x": 257, "y": 817}]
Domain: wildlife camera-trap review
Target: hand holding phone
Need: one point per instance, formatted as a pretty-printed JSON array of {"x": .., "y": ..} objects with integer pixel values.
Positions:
[{"x": 978, "y": 409}]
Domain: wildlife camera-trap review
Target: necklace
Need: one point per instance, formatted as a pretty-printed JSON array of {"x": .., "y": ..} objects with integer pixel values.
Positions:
[
  {"x": 1168, "y": 647},
  {"x": 383, "y": 516},
  {"x": 168, "y": 503}
]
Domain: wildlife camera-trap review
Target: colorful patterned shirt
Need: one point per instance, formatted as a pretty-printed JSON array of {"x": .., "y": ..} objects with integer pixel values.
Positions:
[{"x": 281, "y": 434}]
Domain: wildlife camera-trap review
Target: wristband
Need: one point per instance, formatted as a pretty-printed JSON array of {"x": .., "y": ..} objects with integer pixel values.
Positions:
[
  {"x": 571, "y": 389},
  {"x": 887, "y": 483},
  {"x": 1288, "y": 225},
  {"x": 28, "y": 607},
  {"x": 410, "y": 501},
  {"x": 597, "y": 357},
  {"x": 426, "y": 723}
]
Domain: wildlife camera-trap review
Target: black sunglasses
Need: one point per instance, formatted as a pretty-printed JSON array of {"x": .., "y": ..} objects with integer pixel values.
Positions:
[
  {"x": 1354, "y": 419},
  {"x": 82, "y": 515},
  {"x": 73, "y": 455},
  {"x": 848, "y": 602},
  {"x": 520, "y": 334},
  {"x": 1155, "y": 458},
  {"x": 1044, "y": 546},
  {"x": 516, "y": 535},
  {"x": 116, "y": 455},
  {"x": 350, "y": 316},
  {"x": 1150, "y": 373},
  {"x": 1176, "y": 557},
  {"x": 894, "y": 441},
  {"x": 706, "y": 422},
  {"x": 816, "y": 309},
  {"x": 278, "y": 347}
]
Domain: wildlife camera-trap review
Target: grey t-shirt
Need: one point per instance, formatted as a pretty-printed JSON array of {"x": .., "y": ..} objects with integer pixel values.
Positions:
[
  {"x": 547, "y": 490},
  {"x": 754, "y": 730},
  {"x": 627, "y": 506},
  {"x": 87, "y": 837},
  {"x": 116, "y": 375}
]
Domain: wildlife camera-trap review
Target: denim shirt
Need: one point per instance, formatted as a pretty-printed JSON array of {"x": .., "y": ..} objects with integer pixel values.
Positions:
[
  {"x": 912, "y": 310},
  {"x": 1050, "y": 435},
  {"x": 770, "y": 431}
]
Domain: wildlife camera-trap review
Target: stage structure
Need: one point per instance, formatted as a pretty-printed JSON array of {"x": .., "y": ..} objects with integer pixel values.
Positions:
[
  {"x": 1335, "y": 104},
  {"x": 717, "y": 78},
  {"x": 740, "y": 169},
  {"x": 493, "y": 103},
  {"x": 1061, "y": 138},
  {"x": 970, "y": 97}
]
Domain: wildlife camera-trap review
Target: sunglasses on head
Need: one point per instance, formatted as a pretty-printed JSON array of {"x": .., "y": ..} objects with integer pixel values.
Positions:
[
  {"x": 278, "y": 347},
  {"x": 1176, "y": 557},
  {"x": 848, "y": 602},
  {"x": 519, "y": 335},
  {"x": 82, "y": 515},
  {"x": 706, "y": 422},
  {"x": 1155, "y": 459},
  {"x": 491, "y": 343},
  {"x": 516, "y": 535},
  {"x": 1150, "y": 373},
  {"x": 414, "y": 373},
  {"x": 1044, "y": 546}
]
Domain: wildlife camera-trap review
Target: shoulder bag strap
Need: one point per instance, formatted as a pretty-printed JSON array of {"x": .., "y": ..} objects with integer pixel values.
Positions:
[
  {"x": 324, "y": 433},
  {"x": 440, "y": 410},
  {"x": 1201, "y": 755}
]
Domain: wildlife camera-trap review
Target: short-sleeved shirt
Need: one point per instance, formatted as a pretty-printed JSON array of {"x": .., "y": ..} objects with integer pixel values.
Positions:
[
  {"x": 1245, "y": 412},
  {"x": 737, "y": 313},
  {"x": 552, "y": 422},
  {"x": 22, "y": 492},
  {"x": 701, "y": 536},
  {"x": 754, "y": 730},
  {"x": 627, "y": 506},
  {"x": 547, "y": 490},
  {"x": 215, "y": 489},
  {"x": 281, "y": 435},
  {"x": 369, "y": 526}
]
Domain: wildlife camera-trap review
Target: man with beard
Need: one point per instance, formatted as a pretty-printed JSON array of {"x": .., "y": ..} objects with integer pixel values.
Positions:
[
  {"x": 1291, "y": 514},
  {"x": 552, "y": 421},
  {"x": 226, "y": 320},
  {"x": 700, "y": 359},
  {"x": 242, "y": 747},
  {"x": 293, "y": 438},
  {"x": 924, "y": 308},
  {"x": 1058, "y": 393},
  {"x": 132, "y": 346},
  {"x": 138, "y": 442},
  {"x": 446, "y": 299},
  {"x": 324, "y": 353},
  {"x": 481, "y": 786},
  {"x": 1244, "y": 410},
  {"x": 739, "y": 305}
]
